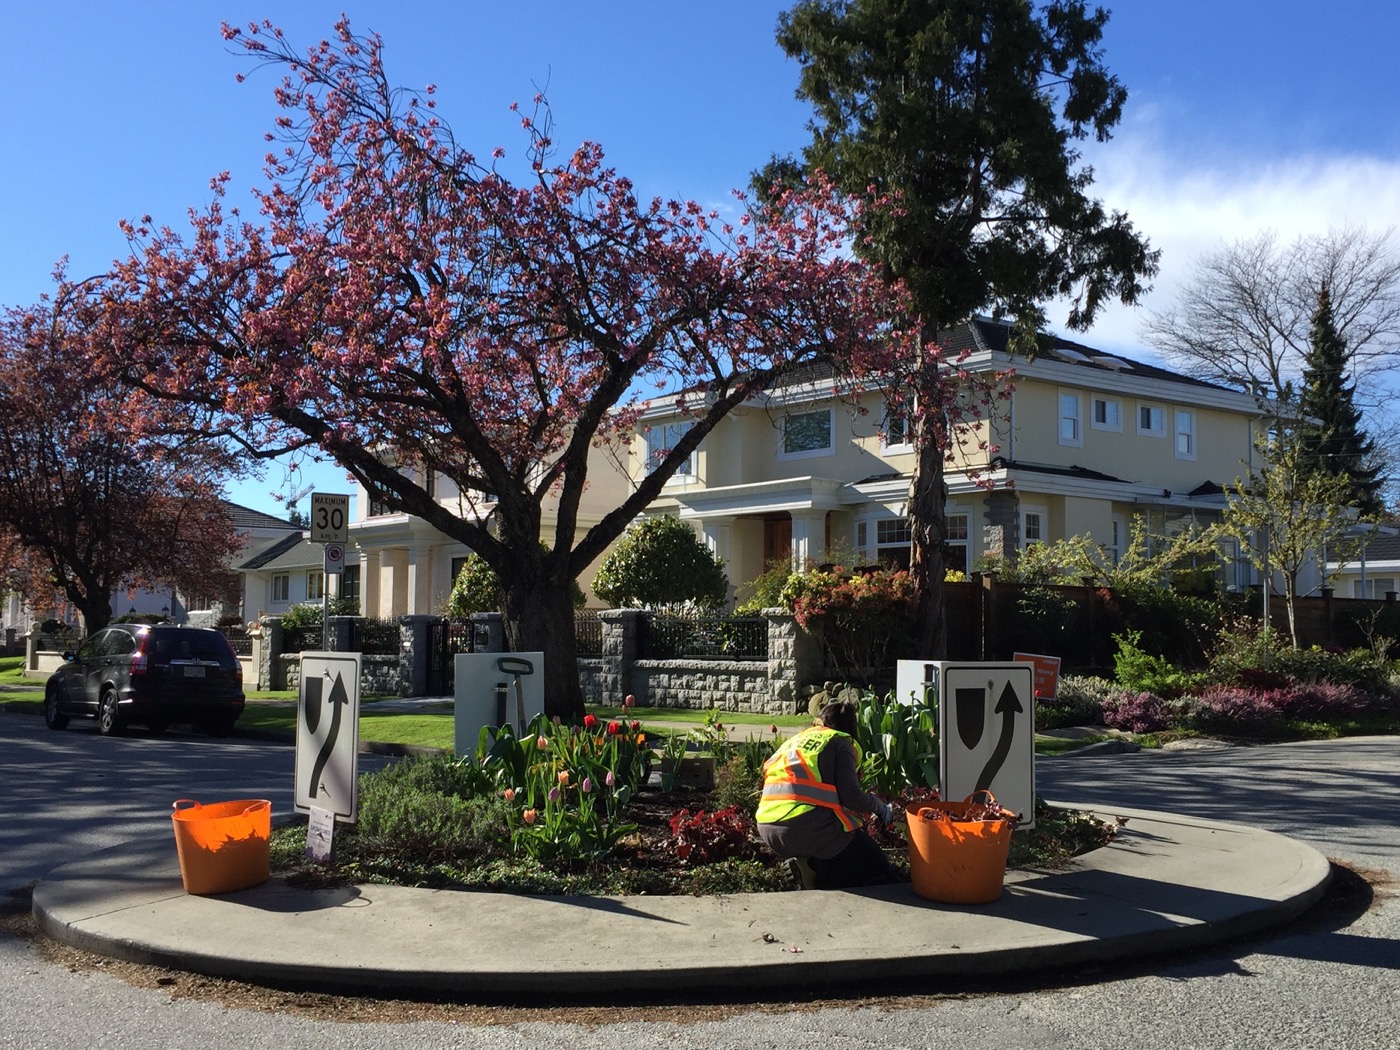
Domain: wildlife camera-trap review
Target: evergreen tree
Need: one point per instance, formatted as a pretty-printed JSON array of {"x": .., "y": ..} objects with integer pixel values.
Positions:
[
  {"x": 957, "y": 120},
  {"x": 1331, "y": 435}
]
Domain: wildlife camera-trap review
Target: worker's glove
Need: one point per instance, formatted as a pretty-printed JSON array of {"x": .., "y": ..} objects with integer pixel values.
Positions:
[{"x": 885, "y": 814}]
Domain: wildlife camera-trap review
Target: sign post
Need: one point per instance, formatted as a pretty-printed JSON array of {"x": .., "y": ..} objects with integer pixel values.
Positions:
[{"x": 986, "y": 733}]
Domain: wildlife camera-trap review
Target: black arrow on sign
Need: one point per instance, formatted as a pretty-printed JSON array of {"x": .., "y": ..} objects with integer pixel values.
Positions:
[
  {"x": 338, "y": 699},
  {"x": 1008, "y": 706}
]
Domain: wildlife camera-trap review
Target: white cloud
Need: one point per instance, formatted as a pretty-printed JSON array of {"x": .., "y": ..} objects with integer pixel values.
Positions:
[{"x": 1189, "y": 206}]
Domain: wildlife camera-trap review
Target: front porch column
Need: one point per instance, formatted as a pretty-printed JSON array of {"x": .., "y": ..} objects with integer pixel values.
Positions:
[
  {"x": 369, "y": 585},
  {"x": 420, "y": 583},
  {"x": 808, "y": 539},
  {"x": 717, "y": 538}
]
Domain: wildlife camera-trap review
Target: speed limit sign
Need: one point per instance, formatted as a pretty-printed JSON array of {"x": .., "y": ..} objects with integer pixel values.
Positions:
[
  {"x": 330, "y": 518},
  {"x": 334, "y": 558}
]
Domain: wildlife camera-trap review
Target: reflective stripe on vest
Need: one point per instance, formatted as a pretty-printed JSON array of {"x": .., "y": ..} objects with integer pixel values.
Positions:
[{"x": 792, "y": 783}]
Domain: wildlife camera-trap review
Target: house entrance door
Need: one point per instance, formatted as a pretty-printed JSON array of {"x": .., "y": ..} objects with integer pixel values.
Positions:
[{"x": 777, "y": 539}]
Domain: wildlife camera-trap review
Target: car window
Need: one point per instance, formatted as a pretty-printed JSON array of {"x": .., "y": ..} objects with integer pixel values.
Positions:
[
  {"x": 117, "y": 643},
  {"x": 192, "y": 645},
  {"x": 92, "y": 646}
]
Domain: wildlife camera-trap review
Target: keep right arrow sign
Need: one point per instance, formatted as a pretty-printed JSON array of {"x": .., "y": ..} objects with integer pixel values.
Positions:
[{"x": 986, "y": 733}]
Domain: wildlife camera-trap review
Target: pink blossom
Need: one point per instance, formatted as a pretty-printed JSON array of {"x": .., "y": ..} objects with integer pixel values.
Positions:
[{"x": 587, "y": 785}]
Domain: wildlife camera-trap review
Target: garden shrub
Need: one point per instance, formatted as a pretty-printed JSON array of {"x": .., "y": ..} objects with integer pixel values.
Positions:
[
  {"x": 707, "y": 837},
  {"x": 661, "y": 561},
  {"x": 1254, "y": 712},
  {"x": 1139, "y": 712},
  {"x": 1079, "y": 701},
  {"x": 402, "y": 818},
  {"x": 1138, "y": 670},
  {"x": 862, "y": 617}
]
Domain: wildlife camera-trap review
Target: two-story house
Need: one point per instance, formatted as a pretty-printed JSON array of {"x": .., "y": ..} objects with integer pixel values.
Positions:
[{"x": 1086, "y": 441}]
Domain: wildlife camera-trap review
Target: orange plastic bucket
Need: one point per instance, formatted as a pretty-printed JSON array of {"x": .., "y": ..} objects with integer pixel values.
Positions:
[
  {"x": 222, "y": 846},
  {"x": 956, "y": 856}
]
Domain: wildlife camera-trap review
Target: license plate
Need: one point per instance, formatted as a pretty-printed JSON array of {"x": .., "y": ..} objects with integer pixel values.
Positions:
[{"x": 194, "y": 671}]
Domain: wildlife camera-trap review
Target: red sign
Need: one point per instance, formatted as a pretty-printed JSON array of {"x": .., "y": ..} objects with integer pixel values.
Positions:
[{"x": 1047, "y": 673}]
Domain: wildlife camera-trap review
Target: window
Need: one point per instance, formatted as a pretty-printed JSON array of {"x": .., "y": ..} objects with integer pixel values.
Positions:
[
  {"x": 661, "y": 439},
  {"x": 956, "y": 544},
  {"x": 1108, "y": 414},
  {"x": 1185, "y": 434},
  {"x": 1372, "y": 588},
  {"x": 1070, "y": 434},
  {"x": 315, "y": 585},
  {"x": 1032, "y": 526},
  {"x": 896, "y": 428},
  {"x": 892, "y": 539},
  {"x": 350, "y": 584},
  {"x": 281, "y": 587},
  {"x": 1119, "y": 538},
  {"x": 807, "y": 434},
  {"x": 1151, "y": 421},
  {"x": 862, "y": 536},
  {"x": 378, "y": 507}
]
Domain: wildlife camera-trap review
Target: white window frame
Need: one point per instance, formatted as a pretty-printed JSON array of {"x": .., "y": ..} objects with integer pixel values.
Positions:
[
  {"x": 661, "y": 438},
  {"x": 1373, "y": 587},
  {"x": 1113, "y": 414},
  {"x": 1071, "y": 419},
  {"x": 284, "y": 579},
  {"x": 1184, "y": 435},
  {"x": 808, "y": 453},
  {"x": 315, "y": 585},
  {"x": 1042, "y": 525},
  {"x": 1157, "y": 420}
]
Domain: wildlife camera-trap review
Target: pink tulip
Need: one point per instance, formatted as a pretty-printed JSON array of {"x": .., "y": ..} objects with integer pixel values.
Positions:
[
  {"x": 542, "y": 743},
  {"x": 528, "y": 816},
  {"x": 553, "y": 794},
  {"x": 586, "y": 786},
  {"x": 608, "y": 780},
  {"x": 629, "y": 701},
  {"x": 509, "y": 794}
]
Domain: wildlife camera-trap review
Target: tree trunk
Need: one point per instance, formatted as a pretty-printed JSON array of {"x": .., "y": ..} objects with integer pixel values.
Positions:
[
  {"x": 541, "y": 619},
  {"x": 928, "y": 497},
  {"x": 928, "y": 494}
]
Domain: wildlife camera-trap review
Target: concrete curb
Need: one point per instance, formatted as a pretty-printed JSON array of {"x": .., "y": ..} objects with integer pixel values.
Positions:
[{"x": 1169, "y": 883}]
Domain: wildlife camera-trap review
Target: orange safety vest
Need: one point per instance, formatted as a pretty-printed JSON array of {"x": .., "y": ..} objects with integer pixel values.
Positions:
[{"x": 793, "y": 785}]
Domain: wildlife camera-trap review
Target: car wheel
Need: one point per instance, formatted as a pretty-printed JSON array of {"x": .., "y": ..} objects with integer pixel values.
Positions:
[
  {"x": 109, "y": 721},
  {"x": 53, "y": 717},
  {"x": 157, "y": 726}
]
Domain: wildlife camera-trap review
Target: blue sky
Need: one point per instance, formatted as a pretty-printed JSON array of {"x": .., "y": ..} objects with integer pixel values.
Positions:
[{"x": 1243, "y": 115}]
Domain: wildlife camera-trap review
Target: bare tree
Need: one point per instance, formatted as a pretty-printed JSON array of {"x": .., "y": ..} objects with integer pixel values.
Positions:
[{"x": 1245, "y": 316}]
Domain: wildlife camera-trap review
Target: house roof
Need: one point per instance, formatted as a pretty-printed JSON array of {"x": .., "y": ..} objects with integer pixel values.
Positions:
[
  {"x": 283, "y": 552},
  {"x": 983, "y": 333},
  {"x": 248, "y": 518}
]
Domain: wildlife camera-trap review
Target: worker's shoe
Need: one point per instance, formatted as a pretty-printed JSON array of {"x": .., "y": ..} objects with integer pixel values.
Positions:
[{"x": 801, "y": 872}]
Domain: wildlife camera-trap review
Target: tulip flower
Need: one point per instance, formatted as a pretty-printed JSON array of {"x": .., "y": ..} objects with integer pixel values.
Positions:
[
  {"x": 528, "y": 816},
  {"x": 553, "y": 795},
  {"x": 586, "y": 786},
  {"x": 614, "y": 728},
  {"x": 773, "y": 729},
  {"x": 509, "y": 794},
  {"x": 629, "y": 701},
  {"x": 564, "y": 776},
  {"x": 542, "y": 743},
  {"x": 590, "y": 721},
  {"x": 609, "y": 779},
  {"x": 634, "y": 725}
]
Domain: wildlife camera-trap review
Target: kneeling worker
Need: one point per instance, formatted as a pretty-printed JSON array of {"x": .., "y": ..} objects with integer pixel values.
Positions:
[{"x": 811, "y": 803}]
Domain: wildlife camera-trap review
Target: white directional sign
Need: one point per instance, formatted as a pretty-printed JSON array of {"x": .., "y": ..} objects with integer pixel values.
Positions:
[
  {"x": 986, "y": 733},
  {"x": 328, "y": 734},
  {"x": 330, "y": 518}
]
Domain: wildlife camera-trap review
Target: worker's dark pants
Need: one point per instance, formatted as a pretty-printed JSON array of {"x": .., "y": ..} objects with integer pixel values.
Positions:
[{"x": 861, "y": 863}]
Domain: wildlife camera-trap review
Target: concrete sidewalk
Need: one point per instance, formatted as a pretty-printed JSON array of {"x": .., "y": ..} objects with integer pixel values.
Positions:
[{"x": 1168, "y": 883}]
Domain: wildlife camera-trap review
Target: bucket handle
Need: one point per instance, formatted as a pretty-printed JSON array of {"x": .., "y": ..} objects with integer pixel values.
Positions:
[{"x": 176, "y": 804}]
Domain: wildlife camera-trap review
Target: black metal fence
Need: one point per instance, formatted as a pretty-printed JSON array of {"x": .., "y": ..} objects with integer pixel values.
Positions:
[
  {"x": 375, "y": 637},
  {"x": 446, "y": 639},
  {"x": 588, "y": 633},
  {"x": 667, "y": 636},
  {"x": 308, "y": 637},
  {"x": 238, "y": 638}
]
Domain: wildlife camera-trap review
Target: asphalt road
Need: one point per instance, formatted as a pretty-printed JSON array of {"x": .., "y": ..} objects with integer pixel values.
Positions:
[{"x": 1332, "y": 981}]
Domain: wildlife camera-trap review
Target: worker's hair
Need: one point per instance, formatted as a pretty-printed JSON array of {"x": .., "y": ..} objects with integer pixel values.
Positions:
[{"x": 840, "y": 716}]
